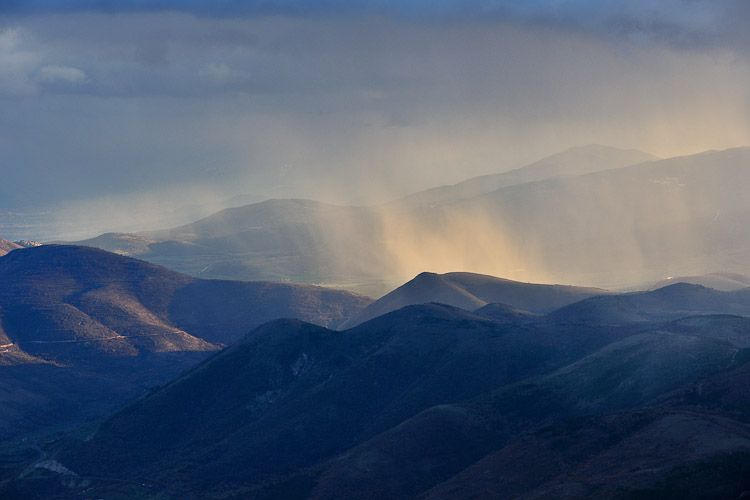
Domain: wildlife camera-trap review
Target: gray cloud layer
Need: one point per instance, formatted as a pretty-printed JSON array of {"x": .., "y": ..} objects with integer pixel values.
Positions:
[
  {"x": 141, "y": 105},
  {"x": 681, "y": 22}
]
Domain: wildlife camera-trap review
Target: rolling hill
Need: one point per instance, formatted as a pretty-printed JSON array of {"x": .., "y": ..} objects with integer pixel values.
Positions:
[
  {"x": 110, "y": 325},
  {"x": 472, "y": 291},
  {"x": 670, "y": 302}
]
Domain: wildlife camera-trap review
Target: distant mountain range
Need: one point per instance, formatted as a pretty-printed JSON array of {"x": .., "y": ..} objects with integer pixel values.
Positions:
[
  {"x": 85, "y": 315},
  {"x": 677, "y": 216},
  {"x": 574, "y": 161},
  {"x": 601, "y": 216},
  {"x": 313, "y": 242}
]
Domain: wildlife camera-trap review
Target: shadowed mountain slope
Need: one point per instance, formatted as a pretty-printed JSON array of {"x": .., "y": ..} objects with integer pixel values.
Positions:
[
  {"x": 291, "y": 395},
  {"x": 438, "y": 443},
  {"x": 692, "y": 442},
  {"x": 646, "y": 454},
  {"x": 432, "y": 401},
  {"x": 670, "y": 302}
]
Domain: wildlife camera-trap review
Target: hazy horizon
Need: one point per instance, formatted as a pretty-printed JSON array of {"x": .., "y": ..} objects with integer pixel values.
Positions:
[{"x": 171, "y": 207}]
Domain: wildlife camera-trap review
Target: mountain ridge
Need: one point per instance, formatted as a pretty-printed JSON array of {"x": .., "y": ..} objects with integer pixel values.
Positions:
[
  {"x": 109, "y": 325},
  {"x": 577, "y": 160},
  {"x": 472, "y": 291},
  {"x": 7, "y": 246}
]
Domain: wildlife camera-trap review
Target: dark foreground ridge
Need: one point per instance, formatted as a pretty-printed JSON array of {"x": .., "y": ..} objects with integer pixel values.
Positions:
[{"x": 432, "y": 401}]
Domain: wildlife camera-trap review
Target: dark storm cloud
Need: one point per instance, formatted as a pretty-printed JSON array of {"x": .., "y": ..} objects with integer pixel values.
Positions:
[
  {"x": 682, "y": 23},
  {"x": 343, "y": 100}
]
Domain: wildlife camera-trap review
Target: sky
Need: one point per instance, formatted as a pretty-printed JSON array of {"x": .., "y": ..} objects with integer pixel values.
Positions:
[{"x": 135, "y": 115}]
